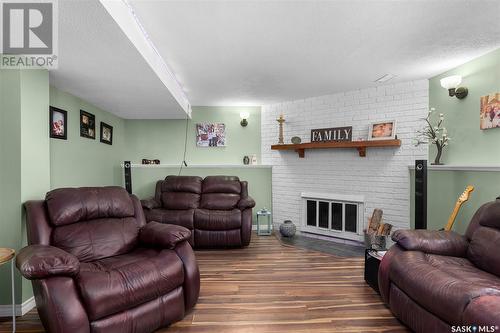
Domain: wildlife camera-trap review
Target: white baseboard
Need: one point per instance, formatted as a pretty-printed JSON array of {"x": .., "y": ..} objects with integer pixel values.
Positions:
[{"x": 21, "y": 309}]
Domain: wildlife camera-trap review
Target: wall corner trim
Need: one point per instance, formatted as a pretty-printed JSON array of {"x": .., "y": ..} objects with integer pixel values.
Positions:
[{"x": 21, "y": 309}]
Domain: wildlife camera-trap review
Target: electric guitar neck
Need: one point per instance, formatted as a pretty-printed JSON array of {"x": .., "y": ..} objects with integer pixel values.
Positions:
[{"x": 461, "y": 200}]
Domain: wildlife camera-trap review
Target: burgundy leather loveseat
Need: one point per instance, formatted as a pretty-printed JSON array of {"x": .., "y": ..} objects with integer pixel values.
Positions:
[
  {"x": 433, "y": 280},
  {"x": 216, "y": 209},
  {"x": 96, "y": 266}
]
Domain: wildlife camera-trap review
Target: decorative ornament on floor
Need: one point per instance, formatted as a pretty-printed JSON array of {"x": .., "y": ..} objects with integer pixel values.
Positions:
[
  {"x": 288, "y": 229},
  {"x": 434, "y": 134},
  {"x": 281, "y": 120}
]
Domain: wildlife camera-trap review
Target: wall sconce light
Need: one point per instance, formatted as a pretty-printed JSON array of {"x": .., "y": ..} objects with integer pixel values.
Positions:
[
  {"x": 244, "y": 115},
  {"x": 451, "y": 83}
]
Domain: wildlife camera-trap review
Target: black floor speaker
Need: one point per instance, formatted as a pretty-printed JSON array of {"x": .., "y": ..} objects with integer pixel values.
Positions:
[
  {"x": 127, "y": 167},
  {"x": 421, "y": 194}
]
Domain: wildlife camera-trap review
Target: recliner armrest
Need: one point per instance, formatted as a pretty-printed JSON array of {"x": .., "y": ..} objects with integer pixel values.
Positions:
[
  {"x": 43, "y": 261},
  {"x": 150, "y": 204},
  {"x": 246, "y": 202},
  {"x": 447, "y": 243},
  {"x": 161, "y": 235}
]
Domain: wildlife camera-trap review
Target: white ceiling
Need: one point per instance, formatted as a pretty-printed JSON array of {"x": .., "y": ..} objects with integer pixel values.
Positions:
[
  {"x": 98, "y": 63},
  {"x": 260, "y": 52}
]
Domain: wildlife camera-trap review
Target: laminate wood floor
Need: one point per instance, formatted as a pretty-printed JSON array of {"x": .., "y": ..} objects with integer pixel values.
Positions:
[{"x": 268, "y": 287}]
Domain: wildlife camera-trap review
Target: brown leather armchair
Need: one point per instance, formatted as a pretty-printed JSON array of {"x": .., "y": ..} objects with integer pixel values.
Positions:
[
  {"x": 217, "y": 209},
  {"x": 96, "y": 266},
  {"x": 433, "y": 280}
]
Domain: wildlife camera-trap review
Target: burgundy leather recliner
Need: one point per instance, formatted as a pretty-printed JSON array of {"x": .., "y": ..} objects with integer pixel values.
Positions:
[
  {"x": 96, "y": 266},
  {"x": 217, "y": 209},
  {"x": 433, "y": 280}
]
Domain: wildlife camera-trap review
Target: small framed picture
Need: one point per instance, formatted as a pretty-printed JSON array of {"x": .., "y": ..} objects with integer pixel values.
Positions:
[
  {"x": 382, "y": 130},
  {"x": 210, "y": 135},
  {"x": 58, "y": 123},
  {"x": 87, "y": 125},
  {"x": 490, "y": 111},
  {"x": 106, "y": 133}
]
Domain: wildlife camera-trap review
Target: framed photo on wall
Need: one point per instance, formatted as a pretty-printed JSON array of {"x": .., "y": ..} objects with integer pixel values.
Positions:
[
  {"x": 382, "y": 130},
  {"x": 58, "y": 123},
  {"x": 211, "y": 135},
  {"x": 490, "y": 111},
  {"x": 87, "y": 125},
  {"x": 106, "y": 133}
]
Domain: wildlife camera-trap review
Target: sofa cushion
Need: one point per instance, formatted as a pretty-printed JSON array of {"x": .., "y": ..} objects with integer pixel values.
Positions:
[
  {"x": 180, "y": 200},
  {"x": 490, "y": 215},
  {"x": 483, "y": 311},
  {"x": 442, "y": 285},
  {"x": 217, "y": 238},
  {"x": 146, "y": 317},
  {"x": 184, "y": 218},
  {"x": 98, "y": 238},
  {"x": 71, "y": 205},
  {"x": 486, "y": 215},
  {"x": 217, "y": 219},
  {"x": 221, "y": 184},
  {"x": 191, "y": 184},
  {"x": 222, "y": 201},
  {"x": 115, "y": 284},
  {"x": 484, "y": 249}
]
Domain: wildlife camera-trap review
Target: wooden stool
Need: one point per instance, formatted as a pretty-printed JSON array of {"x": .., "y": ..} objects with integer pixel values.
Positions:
[{"x": 7, "y": 255}]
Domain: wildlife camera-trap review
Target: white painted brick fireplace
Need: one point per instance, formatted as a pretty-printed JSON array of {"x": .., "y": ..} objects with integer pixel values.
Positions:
[{"x": 381, "y": 177}]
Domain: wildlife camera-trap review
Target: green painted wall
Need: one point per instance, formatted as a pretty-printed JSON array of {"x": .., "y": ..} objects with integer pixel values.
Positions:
[
  {"x": 469, "y": 144},
  {"x": 259, "y": 180},
  {"x": 444, "y": 187},
  {"x": 164, "y": 139},
  {"x": 10, "y": 173},
  {"x": 24, "y": 160},
  {"x": 31, "y": 163},
  {"x": 79, "y": 161}
]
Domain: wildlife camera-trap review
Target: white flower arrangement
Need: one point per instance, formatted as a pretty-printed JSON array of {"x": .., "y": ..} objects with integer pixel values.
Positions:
[{"x": 435, "y": 134}]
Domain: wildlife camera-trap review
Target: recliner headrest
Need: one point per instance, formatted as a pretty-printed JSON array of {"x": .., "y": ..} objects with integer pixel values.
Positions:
[
  {"x": 222, "y": 184},
  {"x": 71, "y": 205},
  {"x": 190, "y": 184}
]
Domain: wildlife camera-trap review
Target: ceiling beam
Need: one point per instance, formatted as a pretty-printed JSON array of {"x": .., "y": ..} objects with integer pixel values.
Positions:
[{"x": 123, "y": 14}]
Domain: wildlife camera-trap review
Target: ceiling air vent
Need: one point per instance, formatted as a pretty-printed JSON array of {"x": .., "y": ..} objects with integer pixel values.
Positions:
[{"x": 385, "y": 78}]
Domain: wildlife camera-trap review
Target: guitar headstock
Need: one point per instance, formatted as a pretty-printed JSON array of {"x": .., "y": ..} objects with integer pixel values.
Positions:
[{"x": 465, "y": 194}]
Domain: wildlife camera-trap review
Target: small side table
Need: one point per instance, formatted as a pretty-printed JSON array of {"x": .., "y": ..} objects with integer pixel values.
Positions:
[
  {"x": 7, "y": 255},
  {"x": 372, "y": 263},
  {"x": 261, "y": 214}
]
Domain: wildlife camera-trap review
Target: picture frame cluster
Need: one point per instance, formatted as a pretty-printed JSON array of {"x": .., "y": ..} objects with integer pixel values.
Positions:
[{"x": 58, "y": 126}]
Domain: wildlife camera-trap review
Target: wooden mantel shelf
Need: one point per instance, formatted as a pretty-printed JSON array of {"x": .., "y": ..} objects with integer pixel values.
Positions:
[{"x": 360, "y": 146}]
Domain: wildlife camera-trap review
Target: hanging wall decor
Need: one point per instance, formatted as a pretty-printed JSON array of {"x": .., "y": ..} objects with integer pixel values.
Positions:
[
  {"x": 106, "y": 133},
  {"x": 211, "y": 135},
  {"x": 87, "y": 125},
  {"x": 58, "y": 126},
  {"x": 490, "y": 111}
]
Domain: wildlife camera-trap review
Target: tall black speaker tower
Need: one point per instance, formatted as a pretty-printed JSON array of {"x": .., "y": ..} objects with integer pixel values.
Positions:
[
  {"x": 421, "y": 194},
  {"x": 127, "y": 167}
]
